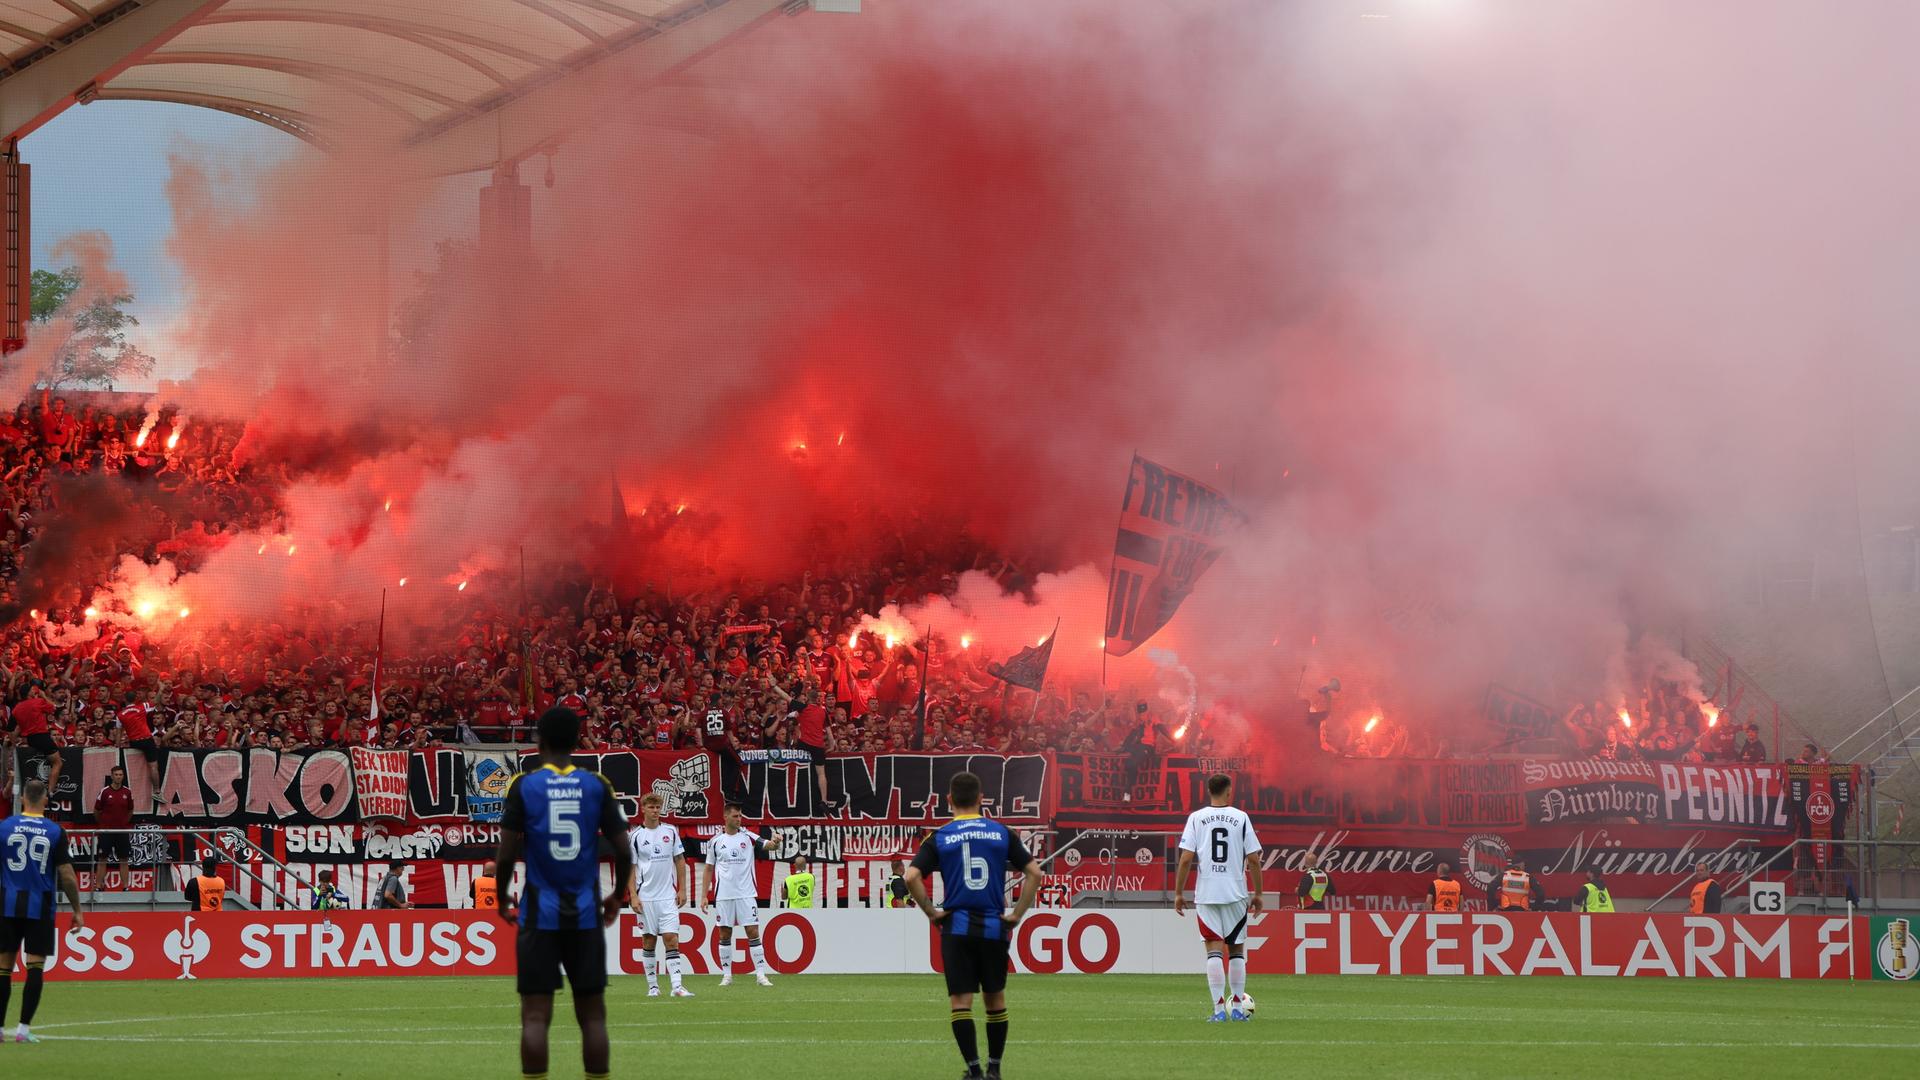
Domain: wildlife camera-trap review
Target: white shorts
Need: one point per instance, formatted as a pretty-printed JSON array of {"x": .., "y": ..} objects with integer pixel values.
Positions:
[
  {"x": 736, "y": 913},
  {"x": 659, "y": 917},
  {"x": 1223, "y": 922}
]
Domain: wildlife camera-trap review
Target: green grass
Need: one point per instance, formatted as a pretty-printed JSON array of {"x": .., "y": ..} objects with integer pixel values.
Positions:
[{"x": 894, "y": 1026}]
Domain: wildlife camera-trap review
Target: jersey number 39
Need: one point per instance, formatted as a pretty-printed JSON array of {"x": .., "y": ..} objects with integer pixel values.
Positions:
[{"x": 33, "y": 848}]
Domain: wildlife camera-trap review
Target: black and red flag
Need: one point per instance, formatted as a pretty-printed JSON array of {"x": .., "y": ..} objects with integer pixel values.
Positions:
[
  {"x": 1171, "y": 529},
  {"x": 1028, "y": 667}
]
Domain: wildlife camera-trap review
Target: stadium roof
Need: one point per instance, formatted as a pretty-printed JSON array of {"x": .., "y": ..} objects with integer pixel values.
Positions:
[{"x": 459, "y": 78}]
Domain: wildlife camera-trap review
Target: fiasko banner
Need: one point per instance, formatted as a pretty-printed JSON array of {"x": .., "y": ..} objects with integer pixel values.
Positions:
[{"x": 228, "y": 945}]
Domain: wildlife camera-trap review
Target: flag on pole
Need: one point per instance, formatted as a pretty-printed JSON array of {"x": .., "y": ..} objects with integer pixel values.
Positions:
[
  {"x": 529, "y": 690},
  {"x": 1170, "y": 533},
  {"x": 379, "y": 659},
  {"x": 1028, "y": 667},
  {"x": 920, "y": 704}
]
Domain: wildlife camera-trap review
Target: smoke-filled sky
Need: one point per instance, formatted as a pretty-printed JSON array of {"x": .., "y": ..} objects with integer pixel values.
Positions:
[{"x": 1515, "y": 328}]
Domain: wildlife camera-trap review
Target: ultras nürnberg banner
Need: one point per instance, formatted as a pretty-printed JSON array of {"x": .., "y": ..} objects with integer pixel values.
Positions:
[
  {"x": 226, "y": 945},
  {"x": 1170, "y": 530}
]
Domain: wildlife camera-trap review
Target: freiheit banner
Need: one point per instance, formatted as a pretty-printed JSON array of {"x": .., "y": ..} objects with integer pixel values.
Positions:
[
  {"x": 237, "y": 945},
  {"x": 1171, "y": 527}
]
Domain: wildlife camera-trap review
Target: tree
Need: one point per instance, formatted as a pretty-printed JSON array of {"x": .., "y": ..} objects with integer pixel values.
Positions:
[
  {"x": 50, "y": 291},
  {"x": 95, "y": 351}
]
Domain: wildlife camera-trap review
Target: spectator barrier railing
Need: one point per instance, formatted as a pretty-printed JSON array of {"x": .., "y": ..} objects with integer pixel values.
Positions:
[
  {"x": 1885, "y": 738},
  {"x": 231, "y": 844}
]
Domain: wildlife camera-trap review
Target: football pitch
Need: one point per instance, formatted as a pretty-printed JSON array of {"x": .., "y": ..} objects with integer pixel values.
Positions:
[{"x": 1062, "y": 1026}]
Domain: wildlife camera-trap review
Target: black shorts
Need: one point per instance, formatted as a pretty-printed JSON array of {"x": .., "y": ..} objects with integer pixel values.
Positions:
[
  {"x": 148, "y": 747},
  {"x": 31, "y": 936},
  {"x": 543, "y": 954},
  {"x": 816, "y": 755},
  {"x": 41, "y": 743},
  {"x": 974, "y": 963},
  {"x": 115, "y": 847}
]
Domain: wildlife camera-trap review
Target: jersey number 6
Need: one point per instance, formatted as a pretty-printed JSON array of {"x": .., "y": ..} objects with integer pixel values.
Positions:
[
  {"x": 1220, "y": 845},
  {"x": 979, "y": 874}
]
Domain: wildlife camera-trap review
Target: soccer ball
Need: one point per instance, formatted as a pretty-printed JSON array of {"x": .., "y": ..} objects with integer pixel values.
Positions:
[{"x": 1246, "y": 1003}]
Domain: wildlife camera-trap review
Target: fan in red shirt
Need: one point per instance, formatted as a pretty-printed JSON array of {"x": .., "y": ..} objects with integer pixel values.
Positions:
[
  {"x": 136, "y": 719},
  {"x": 811, "y": 737},
  {"x": 32, "y": 719},
  {"x": 114, "y": 811}
]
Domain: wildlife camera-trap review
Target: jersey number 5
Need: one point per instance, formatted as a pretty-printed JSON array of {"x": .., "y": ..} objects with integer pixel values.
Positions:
[
  {"x": 979, "y": 875},
  {"x": 1220, "y": 845},
  {"x": 24, "y": 848},
  {"x": 563, "y": 828}
]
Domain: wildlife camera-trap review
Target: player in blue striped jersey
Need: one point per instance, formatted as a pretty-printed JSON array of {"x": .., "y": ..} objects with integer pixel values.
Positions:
[
  {"x": 555, "y": 817},
  {"x": 33, "y": 864},
  {"x": 973, "y": 854}
]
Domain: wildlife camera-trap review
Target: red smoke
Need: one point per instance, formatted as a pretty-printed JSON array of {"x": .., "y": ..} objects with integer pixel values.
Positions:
[
  {"x": 902, "y": 289},
  {"x": 863, "y": 285}
]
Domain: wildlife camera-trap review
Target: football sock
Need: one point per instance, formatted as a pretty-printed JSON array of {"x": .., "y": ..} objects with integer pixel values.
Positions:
[
  {"x": 969, "y": 1040},
  {"x": 758, "y": 957},
  {"x": 1237, "y": 975},
  {"x": 1216, "y": 979},
  {"x": 673, "y": 966},
  {"x": 599, "y": 1076},
  {"x": 533, "y": 1076},
  {"x": 996, "y": 1037},
  {"x": 30, "y": 1000},
  {"x": 652, "y": 967}
]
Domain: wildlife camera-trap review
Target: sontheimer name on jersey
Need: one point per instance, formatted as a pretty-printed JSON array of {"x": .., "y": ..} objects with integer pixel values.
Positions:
[{"x": 1221, "y": 838}]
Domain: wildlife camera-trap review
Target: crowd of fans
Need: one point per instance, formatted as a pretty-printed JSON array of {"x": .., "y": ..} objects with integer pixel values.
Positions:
[
  {"x": 732, "y": 671},
  {"x": 1665, "y": 725},
  {"x": 644, "y": 671}
]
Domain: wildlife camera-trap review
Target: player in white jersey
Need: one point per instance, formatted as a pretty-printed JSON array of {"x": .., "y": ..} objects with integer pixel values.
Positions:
[
  {"x": 1219, "y": 839},
  {"x": 659, "y": 867},
  {"x": 736, "y": 902}
]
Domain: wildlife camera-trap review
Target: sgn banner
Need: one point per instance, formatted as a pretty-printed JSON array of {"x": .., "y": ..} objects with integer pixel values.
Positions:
[{"x": 228, "y": 945}]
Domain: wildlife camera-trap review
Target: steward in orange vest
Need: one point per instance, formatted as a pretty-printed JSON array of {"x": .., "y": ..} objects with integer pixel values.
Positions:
[
  {"x": 206, "y": 892},
  {"x": 1705, "y": 898},
  {"x": 485, "y": 892},
  {"x": 1443, "y": 893},
  {"x": 1515, "y": 890}
]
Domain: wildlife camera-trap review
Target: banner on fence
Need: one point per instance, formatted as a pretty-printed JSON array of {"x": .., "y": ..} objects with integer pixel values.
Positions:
[{"x": 380, "y": 780}]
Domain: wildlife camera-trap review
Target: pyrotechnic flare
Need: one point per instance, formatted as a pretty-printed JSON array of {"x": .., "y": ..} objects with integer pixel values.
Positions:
[
  {"x": 1711, "y": 711},
  {"x": 1626, "y": 718},
  {"x": 179, "y": 428},
  {"x": 146, "y": 425},
  {"x": 1372, "y": 723}
]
